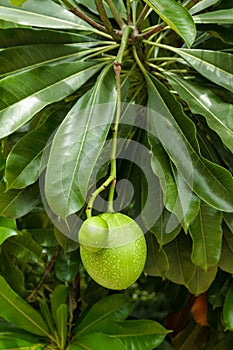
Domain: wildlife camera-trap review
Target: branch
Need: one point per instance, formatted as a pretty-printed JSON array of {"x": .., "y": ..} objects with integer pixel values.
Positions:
[
  {"x": 115, "y": 13},
  {"x": 104, "y": 18}
]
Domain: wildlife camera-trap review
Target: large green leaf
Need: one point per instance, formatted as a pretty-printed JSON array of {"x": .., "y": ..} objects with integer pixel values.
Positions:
[
  {"x": 216, "y": 66},
  {"x": 98, "y": 341},
  {"x": 62, "y": 320},
  {"x": 77, "y": 145},
  {"x": 111, "y": 308},
  {"x": 220, "y": 16},
  {"x": 202, "y": 100},
  {"x": 202, "y": 280},
  {"x": 58, "y": 298},
  {"x": 19, "y": 312},
  {"x": 178, "y": 252},
  {"x": 16, "y": 203},
  {"x": 26, "y": 93},
  {"x": 23, "y": 162},
  {"x": 177, "y": 134},
  {"x": 16, "y": 59},
  {"x": 142, "y": 334},
  {"x": 16, "y": 340},
  {"x": 44, "y": 13},
  {"x": 176, "y": 16},
  {"x": 33, "y": 36},
  {"x": 206, "y": 233}
]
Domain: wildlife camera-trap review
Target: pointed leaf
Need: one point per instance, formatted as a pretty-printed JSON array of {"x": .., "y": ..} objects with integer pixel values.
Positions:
[
  {"x": 140, "y": 334},
  {"x": 115, "y": 307},
  {"x": 176, "y": 16},
  {"x": 25, "y": 94},
  {"x": 202, "y": 5},
  {"x": 19, "y": 312},
  {"x": 58, "y": 297},
  {"x": 203, "y": 101},
  {"x": 62, "y": 320},
  {"x": 98, "y": 341},
  {"x": 220, "y": 16},
  {"x": 206, "y": 233},
  {"x": 201, "y": 281},
  {"x": 44, "y": 308},
  {"x": 77, "y": 145},
  {"x": 44, "y": 13},
  {"x": 177, "y": 134},
  {"x": 17, "y": 203},
  {"x": 23, "y": 164}
]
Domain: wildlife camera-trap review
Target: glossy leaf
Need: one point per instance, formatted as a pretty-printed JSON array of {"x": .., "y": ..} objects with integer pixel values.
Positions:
[
  {"x": 16, "y": 59},
  {"x": 228, "y": 309},
  {"x": 67, "y": 265},
  {"x": 203, "y": 101},
  {"x": 19, "y": 312},
  {"x": 202, "y": 280},
  {"x": 7, "y": 228},
  {"x": 45, "y": 13},
  {"x": 25, "y": 94},
  {"x": 178, "y": 136},
  {"x": 111, "y": 308},
  {"x": 144, "y": 334},
  {"x": 220, "y": 16},
  {"x": 96, "y": 340},
  {"x": 77, "y": 145},
  {"x": 206, "y": 233},
  {"x": 62, "y": 320},
  {"x": 226, "y": 261},
  {"x": 16, "y": 203},
  {"x": 176, "y": 16},
  {"x": 178, "y": 252},
  {"x": 202, "y": 5},
  {"x": 213, "y": 65},
  {"x": 23, "y": 164},
  {"x": 16, "y": 340},
  {"x": 24, "y": 247},
  {"x": 157, "y": 262}
]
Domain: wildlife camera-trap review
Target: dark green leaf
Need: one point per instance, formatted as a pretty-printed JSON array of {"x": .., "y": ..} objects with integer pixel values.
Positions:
[
  {"x": 7, "y": 228},
  {"x": 176, "y": 16},
  {"x": 62, "y": 320},
  {"x": 203, "y": 101},
  {"x": 98, "y": 341},
  {"x": 178, "y": 136},
  {"x": 16, "y": 203},
  {"x": 67, "y": 265},
  {"x": 111, "y": 308},
  {"x": 25, "y": 94},
  {"x": 19, "y": 312},
  {"x": 44, "y": 308},
  {"x": 58, "y": 298},
  {"x": 201, "y": 281},
  {"x": 77, "y": 145},
  {"x": 17, "y": 340},
  {"x": 228, "y": 309},
  {"x": 206, "y": 233}
]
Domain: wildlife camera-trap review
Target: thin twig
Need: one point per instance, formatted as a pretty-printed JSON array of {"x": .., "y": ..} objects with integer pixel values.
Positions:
[
  {"x": 115, "y": 13},
  {"x": 104, "y": 18}
]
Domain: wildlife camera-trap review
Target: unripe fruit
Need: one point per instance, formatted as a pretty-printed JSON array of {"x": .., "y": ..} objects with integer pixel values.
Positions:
[
  {"x": 93, "y": 233},
  {"x": 121, "y": 261}
]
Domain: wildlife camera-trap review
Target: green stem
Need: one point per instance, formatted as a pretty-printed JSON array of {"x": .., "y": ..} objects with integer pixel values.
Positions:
[
  {"x": 143, "y": 15},
  {"x": 104, "y": 18},
  {"x": 115, "y": 13},
  {"x": 153, "y": 30}
]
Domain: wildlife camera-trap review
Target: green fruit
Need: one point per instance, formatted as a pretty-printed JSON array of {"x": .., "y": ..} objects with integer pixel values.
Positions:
[
  {"x": 93, "y": 234},
  {"x": 121, "y": 262}
]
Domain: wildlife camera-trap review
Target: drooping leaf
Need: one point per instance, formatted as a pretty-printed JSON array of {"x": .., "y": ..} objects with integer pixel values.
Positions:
[
  {"x": 77, "y": 145},
  {"x": 177, "y": 134},
  {"x": 19, "y": 312},
  {"x": 25, "y": 94},
  {"x": 202, "y": 280},
  {"x": 220, "y": 16},
  {"x": 176, "y": 16},
  {"x": 23, "y": 164},
  {"x": 16, "y": 203},
  {"x": 181, "y": 270},
  {"x": 206, "y": 233},
  {"x": 203, "y": 101},
  {"x": 111, "y": 308},
  {"x": 228, "y": 309},
  {"x": 44, "y": 13}
]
